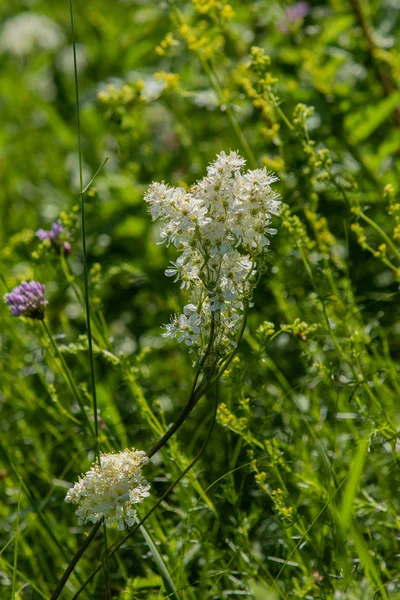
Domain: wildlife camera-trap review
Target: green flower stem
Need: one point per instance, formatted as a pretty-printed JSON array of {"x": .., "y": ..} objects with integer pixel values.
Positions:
[
  {"x": 71, "y": 279},
  {"x": 86, "y": 271},
  {"x": 195, "y": 395},
  {"x": 68, "y": 377},
  {"x": 98, "y": 332},
  {"x": 84, "y": 252},
  {"x": 380, "y": 231},
  {"x": 87, "y": 186},
  {"x": 194, "y": 398},
  {"x": 106, "y": 562},
  {"x": 233, "y": 121},
  {"x": 229, "y": 359},
  {"x": 205, "y": 385},
  {"x": 78, "y": 555},
  {"x": 16, "y": 540},
  {"x": 283, "y": 117}
]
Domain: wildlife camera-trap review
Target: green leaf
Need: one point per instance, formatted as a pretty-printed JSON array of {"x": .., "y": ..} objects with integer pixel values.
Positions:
[
  {"x": 333, "y": 28},
  {"x": 162, "y": 567},
  {"x": 261, "y": 591},
  {"x": 353, "y": 483}
]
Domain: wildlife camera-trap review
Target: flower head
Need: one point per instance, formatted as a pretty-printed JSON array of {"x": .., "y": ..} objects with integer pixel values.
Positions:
[
  {"x": 221, "y": 228},
  {"x": 110, "y": 489},
  {"x": 27, "y": 300},
  {"x": 27, "y": 31},
  {"x": 185, "y": 327},
  {"x": 293, "y": 14},
  {"x": 54, "y": 237}
]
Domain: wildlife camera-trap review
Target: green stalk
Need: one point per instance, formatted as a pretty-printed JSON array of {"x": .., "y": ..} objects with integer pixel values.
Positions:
[
  {"x": 206, "y": 384},
  {"x": 283, "y": 117},
  {"x": 86, "y": 277},
  {"x": 194, "y": 398},
  {"x": 380, "y": 231},
  {"x": 16, "y": 539},
  {"x": 83, "y": 231},
  {"x": 80, "y": 552}
]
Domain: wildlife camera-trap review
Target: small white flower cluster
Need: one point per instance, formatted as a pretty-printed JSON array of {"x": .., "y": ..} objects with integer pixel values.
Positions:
[
  {"x": 27, "y": 31},
  {"x": 110, "y": 490},
  {"x": 221, "y": 229}
]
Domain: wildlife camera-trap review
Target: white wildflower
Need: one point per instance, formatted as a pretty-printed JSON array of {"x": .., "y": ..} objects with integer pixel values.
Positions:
[
  {"x": 23, "y": 33},
  {"x": 221, "y": 228},
  {"x": 111, "y": 489},
  {"x": 184, "y": 327}
]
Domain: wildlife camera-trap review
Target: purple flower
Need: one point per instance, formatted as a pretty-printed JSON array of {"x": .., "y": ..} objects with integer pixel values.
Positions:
[
  {"x": 294, "y": 13},
  {"x": 27, "y": 300},
  {"x": 53, "y": 235},
  {"x": 67, "y": 248}
]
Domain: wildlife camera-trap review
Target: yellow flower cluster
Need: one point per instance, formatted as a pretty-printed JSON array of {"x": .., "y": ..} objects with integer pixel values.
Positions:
[
  {"x": 300, "y": 329},
  {"x": 393, "y": 209},
  {"x": 266, "y": 329},
  {"x": 324, "y": 237},
  {"x": 275, "y": 164},
  {"x": 260, "y": 92},
  {"x": 279, "y": 496},
  {"x": 227, "y": 419},
  {"x": 121, "y": 102},
  {"x": 238, "y": 425},
  {"x": 205, "y": 7},
  {"x": 382, "y": 251},
  {"x": 296, "y": 228},
  {"x": 206, "y": 46},
  {"x": 126, "y": 96},
  {"x": 18, "y": 239},
  {"x": 170, "y": 80},
  {"x": 167, "y": 43},
  {"x": 396, "y": 232}
]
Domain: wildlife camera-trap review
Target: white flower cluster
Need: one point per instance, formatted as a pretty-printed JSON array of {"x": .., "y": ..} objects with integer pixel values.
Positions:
[
  {"x": 23, "y": 33},
  {"x": 221, "y": 229},
  {"x": 110, "y": 490}
]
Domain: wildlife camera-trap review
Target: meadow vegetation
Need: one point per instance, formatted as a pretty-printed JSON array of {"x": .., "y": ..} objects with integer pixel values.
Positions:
[{"x": 283, "y": 479}]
